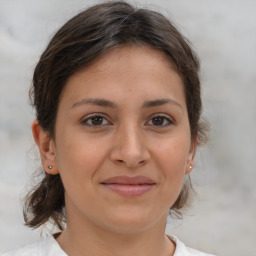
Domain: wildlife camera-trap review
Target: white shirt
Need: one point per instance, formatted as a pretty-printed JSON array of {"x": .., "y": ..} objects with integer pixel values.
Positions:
[{"x": 48, "y": 246}]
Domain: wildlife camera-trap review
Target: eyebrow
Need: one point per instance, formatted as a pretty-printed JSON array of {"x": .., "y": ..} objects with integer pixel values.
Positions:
[
  {"x": 107, "y": 103},
  {"x": 97, "y": 102},
  {"x": 160, "y": 102}
]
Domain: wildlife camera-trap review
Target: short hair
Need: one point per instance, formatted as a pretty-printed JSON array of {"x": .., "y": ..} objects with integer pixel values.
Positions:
[{"x": 75, "y": 46}]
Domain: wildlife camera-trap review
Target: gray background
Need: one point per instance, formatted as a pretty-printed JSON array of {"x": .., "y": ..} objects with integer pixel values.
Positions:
[{"x": 223, "y": 219}]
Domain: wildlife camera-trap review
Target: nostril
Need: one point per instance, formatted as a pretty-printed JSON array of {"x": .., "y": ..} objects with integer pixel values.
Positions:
[{"x": 130, "y": 164}]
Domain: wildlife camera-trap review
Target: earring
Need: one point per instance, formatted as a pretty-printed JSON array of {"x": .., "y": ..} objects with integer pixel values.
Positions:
[
  {"x": 190, "y": 167},
  {"x": 50, "y": 167}
]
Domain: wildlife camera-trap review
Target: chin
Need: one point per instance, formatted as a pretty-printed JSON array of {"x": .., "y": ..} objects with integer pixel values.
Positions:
[{"x": 128, "y": 221}]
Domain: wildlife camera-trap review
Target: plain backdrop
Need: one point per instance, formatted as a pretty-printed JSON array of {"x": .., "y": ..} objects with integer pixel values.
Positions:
[{"x": 223, "y": 32}]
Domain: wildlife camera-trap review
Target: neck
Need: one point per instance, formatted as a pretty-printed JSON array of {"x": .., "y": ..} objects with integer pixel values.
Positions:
[{"x": 88, "y": 239}]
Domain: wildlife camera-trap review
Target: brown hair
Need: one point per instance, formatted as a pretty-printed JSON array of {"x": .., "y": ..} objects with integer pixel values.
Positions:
[{"x": 75, "y": 46}]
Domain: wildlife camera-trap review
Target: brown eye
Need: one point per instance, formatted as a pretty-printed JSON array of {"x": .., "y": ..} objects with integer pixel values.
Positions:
[
  {"x": 161, "y": 121},
  {"x": 158, "y": 120},
  {"x": 95, "y": 120}
]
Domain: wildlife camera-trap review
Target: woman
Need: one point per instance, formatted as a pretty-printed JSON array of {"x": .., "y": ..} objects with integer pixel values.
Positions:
[{"x": 117, "y": 100}]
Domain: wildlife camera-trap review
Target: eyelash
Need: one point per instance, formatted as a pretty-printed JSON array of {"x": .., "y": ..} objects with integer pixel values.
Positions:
[
  {"x": 87, "y": 119},
  {"x": 166, "y": 119}
]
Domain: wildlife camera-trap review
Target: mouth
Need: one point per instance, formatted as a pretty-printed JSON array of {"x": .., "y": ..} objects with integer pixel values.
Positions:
[{"x": 129, "y": 186}]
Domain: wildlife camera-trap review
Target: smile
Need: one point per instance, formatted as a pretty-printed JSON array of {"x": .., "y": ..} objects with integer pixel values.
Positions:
[{"x": 129, "y": 186}]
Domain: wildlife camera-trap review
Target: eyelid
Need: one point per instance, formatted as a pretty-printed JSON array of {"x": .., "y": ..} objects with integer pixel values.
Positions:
[
  {"x": 84, "y": 120},
  {"x": 167, "y": 117},
  {"x": 89, "y": 116}
]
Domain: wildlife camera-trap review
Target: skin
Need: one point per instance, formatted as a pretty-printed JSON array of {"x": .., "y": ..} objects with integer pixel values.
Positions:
[{"x": 126, "y": 139}]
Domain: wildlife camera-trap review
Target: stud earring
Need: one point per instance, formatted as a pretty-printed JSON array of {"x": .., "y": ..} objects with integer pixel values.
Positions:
[
  {"x": 190, "y": 167},
  {"x": 50, "y": 167}
]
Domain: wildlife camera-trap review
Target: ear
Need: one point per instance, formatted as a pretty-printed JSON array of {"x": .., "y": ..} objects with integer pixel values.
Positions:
[
  {"x": 191, "y": 156},
  {"x": 46, "y": 148}
]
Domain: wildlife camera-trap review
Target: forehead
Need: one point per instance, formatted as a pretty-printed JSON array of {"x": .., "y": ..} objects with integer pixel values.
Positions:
[
  {"x": 136, "y": 69},
  {"x": 131, "y": 54}
]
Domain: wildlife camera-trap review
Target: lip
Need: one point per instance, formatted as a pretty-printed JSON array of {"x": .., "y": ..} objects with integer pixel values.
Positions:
[{"x": 129, "y": 186}]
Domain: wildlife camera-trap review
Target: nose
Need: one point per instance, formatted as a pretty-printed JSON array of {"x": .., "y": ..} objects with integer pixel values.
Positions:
[{"x": 130, "y": 148}]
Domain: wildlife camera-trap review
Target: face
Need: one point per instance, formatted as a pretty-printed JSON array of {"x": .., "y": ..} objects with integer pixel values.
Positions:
[{"x": 122, "y": 144}]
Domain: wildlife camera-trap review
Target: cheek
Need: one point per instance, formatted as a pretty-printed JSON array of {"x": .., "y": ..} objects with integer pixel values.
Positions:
[
  {"x": 79, "y": 156},
  {"x": 171, "y": 159},
  {"x": 171, "y": 156}
]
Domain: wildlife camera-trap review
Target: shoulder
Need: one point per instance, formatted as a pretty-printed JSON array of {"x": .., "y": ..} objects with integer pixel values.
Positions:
[
  {"x": 182, "y": 250},
  {"x": 45, "y": 246}
]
